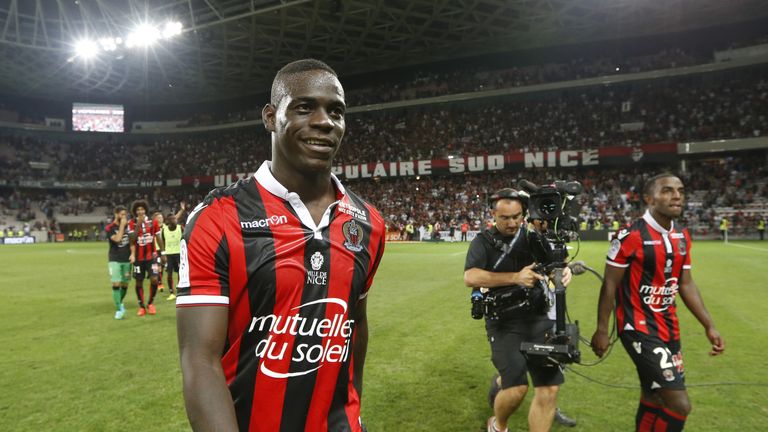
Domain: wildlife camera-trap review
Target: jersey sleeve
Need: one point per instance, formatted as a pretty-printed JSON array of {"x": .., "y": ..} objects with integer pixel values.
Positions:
[
  {"x": 204, "y": 260},
  {"x": 476, "y": 255},
  {"x": 623, "y": 247},
  {"x": 687, "y": 260},
  {"x": 379, "y": 230}
]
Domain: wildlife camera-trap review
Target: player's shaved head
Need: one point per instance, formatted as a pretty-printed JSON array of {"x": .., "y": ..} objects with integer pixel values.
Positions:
[{"x": 289, "y": 72}]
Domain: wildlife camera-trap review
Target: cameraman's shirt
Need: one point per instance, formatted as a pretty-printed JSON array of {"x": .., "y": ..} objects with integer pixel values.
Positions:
[
  {"x": 655, "y": 259},
  {"x": 484, "y": 253}
]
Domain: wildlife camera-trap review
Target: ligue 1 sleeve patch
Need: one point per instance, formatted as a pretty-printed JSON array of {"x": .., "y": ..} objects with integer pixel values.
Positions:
[{"x": 615, "y": 248}]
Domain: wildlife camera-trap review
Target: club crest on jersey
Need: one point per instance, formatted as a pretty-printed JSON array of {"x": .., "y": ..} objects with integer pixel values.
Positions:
[
  {"x": 314, "y": 276},
  {"x": 353, "y": 233},
  {"x": 683, "y": 245},
  {"x": 316, "y": 261}
]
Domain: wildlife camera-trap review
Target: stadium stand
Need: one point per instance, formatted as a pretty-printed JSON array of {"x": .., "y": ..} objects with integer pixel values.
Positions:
[
  {"x": 729, "y": 104},
  {"x": 681, "y": 110}
]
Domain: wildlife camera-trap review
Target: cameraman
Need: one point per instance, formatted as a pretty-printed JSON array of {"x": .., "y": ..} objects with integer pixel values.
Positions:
[{"x": 484, "y": 270}]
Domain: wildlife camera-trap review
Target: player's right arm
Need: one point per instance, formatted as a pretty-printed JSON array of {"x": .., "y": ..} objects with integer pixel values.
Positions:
[
  {"x": 621, "y": 252},
  {"x": 202, "y": 333},
  {"x": 202, "y": 320},
  {"x": 116, "y": 237},
  {"x": 612, "y": 278}
]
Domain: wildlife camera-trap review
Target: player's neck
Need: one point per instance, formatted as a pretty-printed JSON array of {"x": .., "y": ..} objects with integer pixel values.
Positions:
[
  {"x": 663, "y": 221},
  {"x": 311, "y": 186}
]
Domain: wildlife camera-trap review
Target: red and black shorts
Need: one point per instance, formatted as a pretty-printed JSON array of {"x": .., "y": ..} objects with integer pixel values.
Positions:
[
  {"x": 148, "y": 268},
  {"x": 659, "y": 364}
]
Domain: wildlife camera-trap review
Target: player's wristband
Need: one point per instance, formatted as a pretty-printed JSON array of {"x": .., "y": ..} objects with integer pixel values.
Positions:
[{"x": 161, "y": 253}]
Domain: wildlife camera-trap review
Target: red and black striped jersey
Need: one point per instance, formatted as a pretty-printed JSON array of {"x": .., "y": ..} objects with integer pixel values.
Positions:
[
  {"x": 655, "y": 259},
  {"x": 292, "y": 288},
  {"x": 143, "y": 236}
]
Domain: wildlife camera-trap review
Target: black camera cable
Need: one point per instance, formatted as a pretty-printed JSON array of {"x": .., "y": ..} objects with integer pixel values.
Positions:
[{"x": 579, "y": 268}]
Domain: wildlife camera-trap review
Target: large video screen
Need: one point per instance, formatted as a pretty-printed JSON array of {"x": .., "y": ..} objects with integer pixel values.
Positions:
[{"x": 97, "y": 117}]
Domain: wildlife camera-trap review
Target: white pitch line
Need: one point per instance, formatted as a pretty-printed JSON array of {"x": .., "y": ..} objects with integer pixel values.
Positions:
[{"x": 748, "y": 247}]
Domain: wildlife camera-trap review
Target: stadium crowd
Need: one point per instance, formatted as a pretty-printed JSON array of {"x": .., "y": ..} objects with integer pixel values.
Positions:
[
  {"x": 736, "y": 187},
  {"x": 691, "y": 108},
  {"x": 680, "y": 110}
]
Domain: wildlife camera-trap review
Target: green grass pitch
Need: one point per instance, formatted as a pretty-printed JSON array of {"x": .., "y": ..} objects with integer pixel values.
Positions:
[{"x": 67, "y": 365}]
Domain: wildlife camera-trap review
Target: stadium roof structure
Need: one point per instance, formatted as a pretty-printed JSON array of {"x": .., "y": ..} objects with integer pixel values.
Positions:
[{"x": 230, "y": 48}]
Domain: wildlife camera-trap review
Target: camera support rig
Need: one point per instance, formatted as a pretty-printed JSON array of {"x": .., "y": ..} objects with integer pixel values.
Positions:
[
  {"x": 550, "y": 203},
  {"x": 563, "y": 345}
]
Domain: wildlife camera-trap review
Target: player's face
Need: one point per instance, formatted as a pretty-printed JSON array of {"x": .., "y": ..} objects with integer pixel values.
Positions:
[
  {"x": 509, "y": 216},
  {"x": 159, "y": 218},
  {"x": 171, "y": 221},
  {"x": 120, "y": 215},
  {"x": 668, "y": 197},
  {"x": 308, "y": 122},
  {"x": 141, "y": 212}
]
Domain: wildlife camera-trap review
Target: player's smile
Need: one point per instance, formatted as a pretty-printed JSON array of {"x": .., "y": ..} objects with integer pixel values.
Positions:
[{"x": 320, "y": 145}]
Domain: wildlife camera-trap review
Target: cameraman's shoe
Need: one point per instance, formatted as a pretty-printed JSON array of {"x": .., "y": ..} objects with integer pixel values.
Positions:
[
  {"x": 494, "y": 389},
  {"x": 492, "y": 425},
  {"x": 563, "y": 419}
]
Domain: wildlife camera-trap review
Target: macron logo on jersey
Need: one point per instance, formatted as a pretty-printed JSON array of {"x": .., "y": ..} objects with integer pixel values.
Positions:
[{"x": 263, "y": 223}]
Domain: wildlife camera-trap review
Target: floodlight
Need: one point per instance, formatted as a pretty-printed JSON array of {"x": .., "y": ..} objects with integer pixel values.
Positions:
[
  {"x": 144, "y": 35},
  {"x": 171, "y": 29},
  {"x": 86, "y": 48}
]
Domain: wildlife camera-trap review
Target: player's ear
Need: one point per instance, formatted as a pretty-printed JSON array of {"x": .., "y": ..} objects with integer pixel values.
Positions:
[
  {"x": 268, "y": 116},
  {"x": 648, "y": 199}
]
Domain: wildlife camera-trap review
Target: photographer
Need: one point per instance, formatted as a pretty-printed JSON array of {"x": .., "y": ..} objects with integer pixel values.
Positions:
[{"x": 520, "y": 250}]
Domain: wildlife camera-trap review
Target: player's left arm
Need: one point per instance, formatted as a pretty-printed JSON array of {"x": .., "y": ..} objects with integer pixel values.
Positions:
[
  {"x": 360, "y": 347},
  {"x": 692, "y": 299}
]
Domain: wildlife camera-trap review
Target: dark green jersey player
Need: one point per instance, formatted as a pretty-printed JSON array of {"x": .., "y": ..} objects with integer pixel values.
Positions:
[{"x": 119, "y": 258}]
